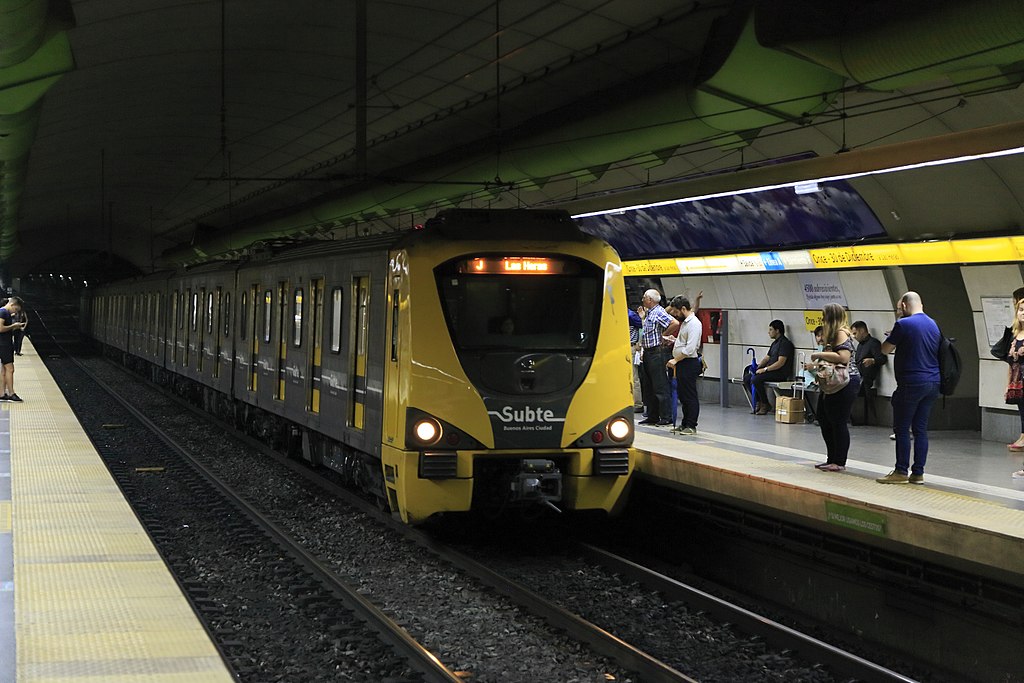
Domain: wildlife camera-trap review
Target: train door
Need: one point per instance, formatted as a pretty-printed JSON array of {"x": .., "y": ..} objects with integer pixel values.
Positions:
[
  {"x": 394, "y": 367},
  {"x": 254, "y": 343},
  {"x": 174, "y": 328},
  {"x": 213, "y": 330},
  {"x": 202, "y": 320},
  {"x": 190, "y": 324},
  {"x": 224, "y": 326},
  {"x": 158, "y": 347},
  {"x": 315, "y": 349},
  {"x": 282, "y": 337},
  {"x": 357, "y": 351}
]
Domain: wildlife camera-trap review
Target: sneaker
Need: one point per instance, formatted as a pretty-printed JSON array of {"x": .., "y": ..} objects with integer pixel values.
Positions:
[
  {"x": 916, "y": 478},
  {"x": 663, "y": 423},
  {"x": 648, "y": 421},
  {"x": 14, "y": 397},
  {"x": 895, "y": 477},
  {"x": 1019, "y": 474},
  {"x": 688, "y": 431},
  {"x": 832, "y": 467},
  {"x": 5, "y": 397}
]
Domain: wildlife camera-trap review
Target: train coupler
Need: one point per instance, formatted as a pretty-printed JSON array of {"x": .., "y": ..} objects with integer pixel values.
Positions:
[{"x": 537, "y": 481}]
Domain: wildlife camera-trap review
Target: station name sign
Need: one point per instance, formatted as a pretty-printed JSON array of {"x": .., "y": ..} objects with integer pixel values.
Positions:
[{"x": 981, "y": 250}]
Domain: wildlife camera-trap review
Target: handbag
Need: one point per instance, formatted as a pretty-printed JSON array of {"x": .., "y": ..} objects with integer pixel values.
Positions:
[
  {"x": 831, "y": 377},
  {"x": 1001, "y": 349}
]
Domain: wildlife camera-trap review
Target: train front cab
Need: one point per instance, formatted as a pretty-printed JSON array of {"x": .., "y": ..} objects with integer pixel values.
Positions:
[{"x": 518, "y": 411}]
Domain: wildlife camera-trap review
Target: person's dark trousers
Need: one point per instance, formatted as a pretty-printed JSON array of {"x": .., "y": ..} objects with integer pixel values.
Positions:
[
  {"x": 645, "y": 387},
  {"x": 759, "y": 387},
  {"x": 659, "y": 403},
  {"x": 834, "y": 418},
  {"x": 868, "y": 391},
  {"x": 19, "y": 335},
  {"x": 687, "y": 372},
  {"x": 911, "y": 407}
]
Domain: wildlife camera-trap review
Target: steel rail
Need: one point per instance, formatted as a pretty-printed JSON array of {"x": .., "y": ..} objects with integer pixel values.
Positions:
[
  {"x": 843, "y": 663},
  {"x": 392, "y": 633}
]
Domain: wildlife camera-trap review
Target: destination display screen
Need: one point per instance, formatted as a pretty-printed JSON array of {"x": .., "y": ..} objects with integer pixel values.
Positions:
[{"x": 517, "y": 265}]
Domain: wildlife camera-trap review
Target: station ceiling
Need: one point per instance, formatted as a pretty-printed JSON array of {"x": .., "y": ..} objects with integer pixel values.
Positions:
[{"x": 174, "y": 131}]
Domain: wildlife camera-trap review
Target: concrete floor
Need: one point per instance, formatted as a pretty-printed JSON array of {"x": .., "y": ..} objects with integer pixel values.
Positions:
[{"x": 958, "y": 461}]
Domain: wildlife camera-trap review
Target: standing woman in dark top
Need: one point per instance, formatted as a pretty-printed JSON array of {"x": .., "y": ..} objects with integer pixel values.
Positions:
[
  {"x": 1015, "y": 383},
  {"x": 834, "y": 409},
  {"x": 19, "y": 334}
]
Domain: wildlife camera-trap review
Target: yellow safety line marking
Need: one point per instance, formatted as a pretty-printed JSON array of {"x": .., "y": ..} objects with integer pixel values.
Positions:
[{"x": 5, "y": 516}]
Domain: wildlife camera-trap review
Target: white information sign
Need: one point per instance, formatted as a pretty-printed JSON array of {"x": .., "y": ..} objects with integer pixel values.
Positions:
[
  {"x": 822, "y": 288},
  {"x": 998, "y": 312}
]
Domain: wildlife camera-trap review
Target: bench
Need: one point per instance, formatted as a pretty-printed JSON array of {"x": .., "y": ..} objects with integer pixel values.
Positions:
[
  {"x": 777, "y": 388},
  {"x": 774, "y": 386}
]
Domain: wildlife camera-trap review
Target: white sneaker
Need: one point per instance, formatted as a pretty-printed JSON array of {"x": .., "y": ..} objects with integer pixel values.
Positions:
[{"x": 1019, "y": 474}]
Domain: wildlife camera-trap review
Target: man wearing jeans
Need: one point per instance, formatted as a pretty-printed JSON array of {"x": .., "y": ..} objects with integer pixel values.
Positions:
[{"x": 915, "y": 339}]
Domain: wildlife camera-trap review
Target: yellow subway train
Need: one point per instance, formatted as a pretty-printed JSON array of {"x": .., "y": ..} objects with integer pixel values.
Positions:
[{"x": 479, "y": 364}]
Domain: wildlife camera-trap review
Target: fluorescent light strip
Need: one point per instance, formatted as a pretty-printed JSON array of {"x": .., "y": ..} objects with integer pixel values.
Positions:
[{"x": 795, "y": 183}]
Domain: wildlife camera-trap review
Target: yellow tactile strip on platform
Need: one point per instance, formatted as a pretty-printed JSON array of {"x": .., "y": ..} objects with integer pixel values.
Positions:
[
  {"x": 939, "y": 521},
  {"x": 93, "y": 599}
]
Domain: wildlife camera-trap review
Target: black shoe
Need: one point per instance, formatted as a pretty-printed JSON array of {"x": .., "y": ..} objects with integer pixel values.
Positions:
[
  {"x": 648, "y": 421},
  {"x": 5, "y": 397},
  {"x": 659, "y": 423},
  {"x": 17, "y": 353},
  {"x": 14, "y": 397}
]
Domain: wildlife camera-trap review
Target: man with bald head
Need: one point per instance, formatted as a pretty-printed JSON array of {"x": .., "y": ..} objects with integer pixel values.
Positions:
[{"x": 915, "y": 339}]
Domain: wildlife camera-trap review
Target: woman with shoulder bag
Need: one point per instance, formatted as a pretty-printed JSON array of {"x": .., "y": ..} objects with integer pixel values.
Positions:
[
  {"x": 839, "y": 381},
  {"x": 1015, "y": 379}
]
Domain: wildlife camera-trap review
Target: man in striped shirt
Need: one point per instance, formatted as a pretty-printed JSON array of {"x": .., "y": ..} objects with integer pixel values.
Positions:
[{"x": 656, "y": 352}]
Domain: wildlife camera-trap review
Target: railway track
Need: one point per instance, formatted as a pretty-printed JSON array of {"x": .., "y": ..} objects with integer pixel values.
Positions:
[{"x": 633, "y": 656}]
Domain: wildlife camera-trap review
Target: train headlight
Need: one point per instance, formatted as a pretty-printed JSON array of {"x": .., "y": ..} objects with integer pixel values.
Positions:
[
  {"x": 620, "y": 429},
  {"x": 427, "y": 431}
]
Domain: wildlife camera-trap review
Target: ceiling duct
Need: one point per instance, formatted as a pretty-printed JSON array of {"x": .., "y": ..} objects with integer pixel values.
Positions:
[
  {"x": 723, "y": 104},
  {"x": 34, "y": 53},
  {"x": 887, "y": 46}
]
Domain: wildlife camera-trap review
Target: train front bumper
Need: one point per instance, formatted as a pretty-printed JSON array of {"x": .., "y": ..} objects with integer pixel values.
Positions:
[{"x": 423, "y": 483}]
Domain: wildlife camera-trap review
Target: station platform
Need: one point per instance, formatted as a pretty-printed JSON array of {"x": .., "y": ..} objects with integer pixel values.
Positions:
[
  {"x": 84, "y": 595},
  {"x": 968, "y": 515}
]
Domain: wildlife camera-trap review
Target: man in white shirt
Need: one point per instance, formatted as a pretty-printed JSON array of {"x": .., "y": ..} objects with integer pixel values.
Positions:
[{"x": 686, "y": 360}]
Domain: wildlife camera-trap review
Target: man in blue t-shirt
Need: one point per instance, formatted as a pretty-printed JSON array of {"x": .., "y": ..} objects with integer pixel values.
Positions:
[{"x": 915, "y": 339}]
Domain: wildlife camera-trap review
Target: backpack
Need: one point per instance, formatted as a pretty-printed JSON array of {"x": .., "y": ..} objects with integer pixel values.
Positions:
[{"x": 949, "y": 365}]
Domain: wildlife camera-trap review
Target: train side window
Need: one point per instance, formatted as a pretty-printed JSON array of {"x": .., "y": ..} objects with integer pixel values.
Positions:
[
  {"x": 243, "y": 315},
  {"x": 268, "y": 300},
  {"x": 195, "y": 310},
  {"x": 226, "y": 312},
  {"x": 297, "y": 317},
  {"x": 336, "y": 301}
]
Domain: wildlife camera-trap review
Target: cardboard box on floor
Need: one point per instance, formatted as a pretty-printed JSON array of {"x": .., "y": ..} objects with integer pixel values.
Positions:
[{"x": 789, "y": 409}]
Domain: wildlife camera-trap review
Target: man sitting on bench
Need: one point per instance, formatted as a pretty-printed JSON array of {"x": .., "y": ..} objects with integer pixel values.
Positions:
[{"x": 777, "y": 366}]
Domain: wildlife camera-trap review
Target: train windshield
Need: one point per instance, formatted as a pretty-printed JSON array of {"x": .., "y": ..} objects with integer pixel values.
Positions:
[{"x": 521, "y": 303}]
